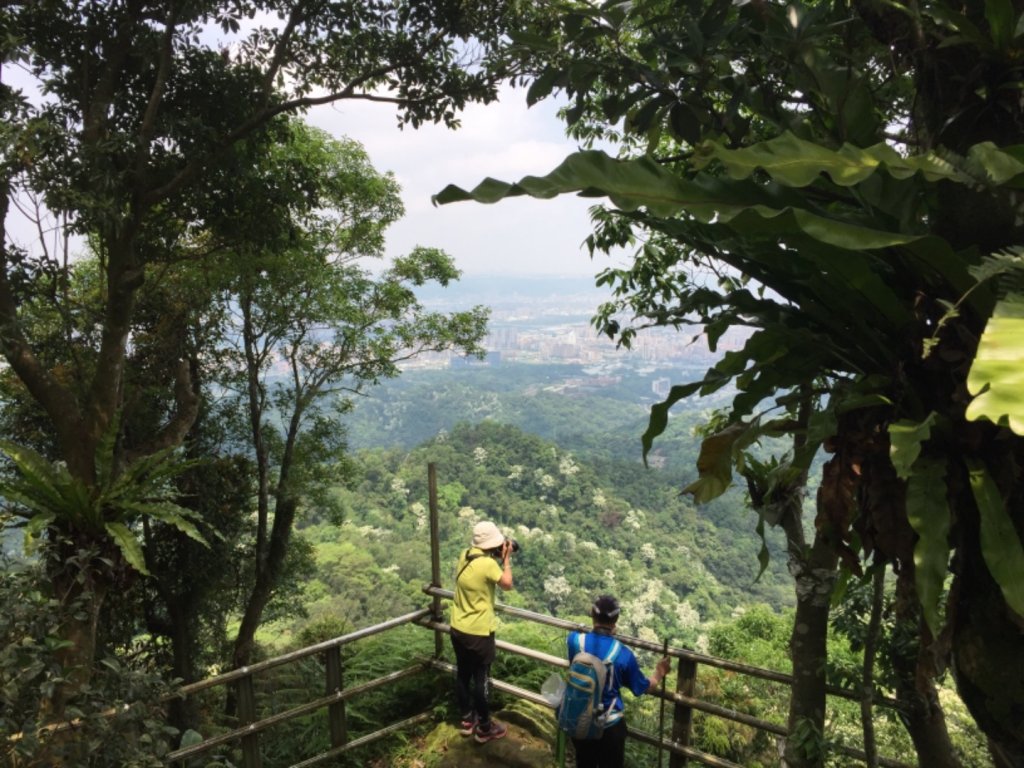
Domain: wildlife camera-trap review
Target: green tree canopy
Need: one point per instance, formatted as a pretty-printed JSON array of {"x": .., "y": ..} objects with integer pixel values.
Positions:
[{"x": 843, "y": 180}]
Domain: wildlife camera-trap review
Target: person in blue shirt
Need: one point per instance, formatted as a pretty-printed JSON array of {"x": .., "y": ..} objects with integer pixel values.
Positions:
[{"x": 610, "y": 750}]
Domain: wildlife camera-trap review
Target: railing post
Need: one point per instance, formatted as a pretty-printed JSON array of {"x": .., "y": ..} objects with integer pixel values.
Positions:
[
  {"x": 335, "y": 684},
  {"x": 682, "y": 718},
  {"x": 247, "y": 716},
  {"x": 435, "y": 554}
]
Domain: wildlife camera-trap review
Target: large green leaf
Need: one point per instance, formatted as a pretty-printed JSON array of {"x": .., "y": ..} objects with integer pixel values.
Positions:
[
  {"x": 795, "y": 162},
  {"x": 714, "y": 464},
  {"x": 38, "y": 483},
  {"x": 928, "y": 513},
  {"x": 642, "y": 183},
  {"x": 129, "y": 546},
  {"x": 170, "y": 513},
  {"x": 997, "y": 373},
  {"x": 659, "y": 411},
  {"x": 1000, "y": 544},
  {"x": 905, "y": 438}
]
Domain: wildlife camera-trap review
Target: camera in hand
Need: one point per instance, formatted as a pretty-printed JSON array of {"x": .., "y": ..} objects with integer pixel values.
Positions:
[{"x": 513, "y": 547}]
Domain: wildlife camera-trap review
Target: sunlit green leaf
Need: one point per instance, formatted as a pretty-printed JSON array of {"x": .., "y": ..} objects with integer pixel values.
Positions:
[
  {"x": 795, "y": 162},
  {"x": 905, "y": 438},
  {"x": 714, "y": 464},
  {"x": 1000, "y": 544},
  {"x": 928, "y": 513},
  {"x": 632, "y": 184},
  {"x": 996, "y": 378}
]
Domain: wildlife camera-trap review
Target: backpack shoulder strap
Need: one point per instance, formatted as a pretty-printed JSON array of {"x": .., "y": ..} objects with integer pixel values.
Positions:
[
  {"x": 575, "y": 644},
  {"x": 469, "y": 559},
  {"x": 613, "y": 651}
]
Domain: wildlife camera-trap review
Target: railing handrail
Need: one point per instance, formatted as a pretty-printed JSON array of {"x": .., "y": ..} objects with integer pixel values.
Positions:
[
  {"x": 670, "y": 696},
  {"x": 311, "y": 650},
  {"x": 673, "y": 651}
]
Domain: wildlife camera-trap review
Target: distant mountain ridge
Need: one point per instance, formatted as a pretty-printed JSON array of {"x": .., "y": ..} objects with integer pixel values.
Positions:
[{"x": 501, "y": 291}]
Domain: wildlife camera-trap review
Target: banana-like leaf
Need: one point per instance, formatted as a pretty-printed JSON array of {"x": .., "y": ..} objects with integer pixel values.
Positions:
[
  {"x": 928, "y": 513},
  {"x": 1000, "y": 545},
  {"x": 659, "y": 411},
  {"x": 744, "y": 205},
  {"x": 905, "y": 438},
  {"x": 714, "y": 464},
  {"x": 795, "y": 162},
  {"x": 170, "y": 513},
  {"x": 632, "y": 184},
  {"x": 996, "y": 378},
  {"x": 129, "y": 546},
  {"x": 39, "y": 482},
  {"x": 38, "y": 524}
]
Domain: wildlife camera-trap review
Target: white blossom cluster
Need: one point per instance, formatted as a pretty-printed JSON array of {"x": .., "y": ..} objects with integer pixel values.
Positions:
[
  {"x": 599, "y": 499},
  {"x": 479, "y": 455},
  {"x": 557, "y": 588},
  {"x": 567, "y": 466},
  {"x": 550, "y": 512},
  {"x": 419, "y": 512},
  {"x": 648, "y": 552},
  {"x": 544, "y": 480},
  {"x": 687, "y": 616},
  {"x": 635, "y": 519},
  {"x": 467, "y": 513},
  {"x": 398, "y": 486},
  {"x": 527, "y": 533},
  {"x": 515, "y": 472}
]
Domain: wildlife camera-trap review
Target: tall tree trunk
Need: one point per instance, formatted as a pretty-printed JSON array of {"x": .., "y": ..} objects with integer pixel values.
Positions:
[
  {"x": 867, "y": 682},
  {"x": 815, "y": 576},
  {"x": 988, "y": 637},
  {"x": 183, "y": 712},
  {"x": 915, "y": 670},
  {"x": 266, "y": 581}
]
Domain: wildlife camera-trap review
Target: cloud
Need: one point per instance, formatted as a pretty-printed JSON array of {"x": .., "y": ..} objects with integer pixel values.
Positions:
[{"x": 504, "y": 140}]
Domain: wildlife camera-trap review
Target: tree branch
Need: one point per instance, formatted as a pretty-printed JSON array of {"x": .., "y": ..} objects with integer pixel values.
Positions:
[{"x": 173, "y": 433}]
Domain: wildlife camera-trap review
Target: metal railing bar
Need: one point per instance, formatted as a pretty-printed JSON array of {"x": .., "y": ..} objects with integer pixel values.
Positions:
[
  {"x": 679, "y": 749},
  {"x": 281, "y": 717},
  {"x": 677, "y": 698},
  {"x": 262, "y": 666},
  {"x": 679, "y": 653},
  {"x": 547, "y": 658},
  {"x": 515, "y": 690},
  {"x": 363, "y": 740}
]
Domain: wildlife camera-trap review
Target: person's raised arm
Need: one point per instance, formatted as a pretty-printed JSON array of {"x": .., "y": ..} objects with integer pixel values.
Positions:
[
  {"x": 664, "y": 665},
  {"x": 505, "y": 582}
]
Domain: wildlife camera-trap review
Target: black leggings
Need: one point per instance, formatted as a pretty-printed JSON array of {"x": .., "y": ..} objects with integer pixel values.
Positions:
[
  {"x": 473, "y": 657},
  {"x": 607, "y": 752}
]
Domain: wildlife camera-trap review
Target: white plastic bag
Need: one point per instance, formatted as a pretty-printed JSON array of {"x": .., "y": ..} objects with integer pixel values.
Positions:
[{"x": 552, "y": 689}]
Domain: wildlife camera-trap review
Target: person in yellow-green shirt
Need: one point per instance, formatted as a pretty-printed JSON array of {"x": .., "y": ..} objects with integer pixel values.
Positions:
[{"x": 485, "y": 564}]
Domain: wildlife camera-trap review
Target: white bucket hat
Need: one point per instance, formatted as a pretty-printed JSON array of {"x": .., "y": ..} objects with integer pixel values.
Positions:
[{"x": 487, "y": 536}]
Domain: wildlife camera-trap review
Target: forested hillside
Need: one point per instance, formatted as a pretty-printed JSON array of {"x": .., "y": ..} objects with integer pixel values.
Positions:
[{"x": 584, "y": 528}]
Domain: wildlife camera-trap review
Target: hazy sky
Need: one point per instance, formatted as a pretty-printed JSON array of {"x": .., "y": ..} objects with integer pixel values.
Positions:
[{"x": 505, "y": 140}]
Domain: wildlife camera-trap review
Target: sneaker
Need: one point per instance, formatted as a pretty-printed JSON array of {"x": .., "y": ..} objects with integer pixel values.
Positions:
[
  {"x": 485, "y": 732},
  {"x": 467, "y": 724}
]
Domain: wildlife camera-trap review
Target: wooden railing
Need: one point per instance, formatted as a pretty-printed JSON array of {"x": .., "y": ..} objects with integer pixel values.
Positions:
[
  {"x": 249, "y": 730},
  {"x": 683, "y": 701}
]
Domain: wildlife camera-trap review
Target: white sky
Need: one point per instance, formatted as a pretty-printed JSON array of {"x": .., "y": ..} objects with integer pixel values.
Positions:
[{"x": 504, "y": 140}]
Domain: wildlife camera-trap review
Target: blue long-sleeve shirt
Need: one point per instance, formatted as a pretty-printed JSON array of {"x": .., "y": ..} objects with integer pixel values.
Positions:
[{"x": 625, "y": 671}]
